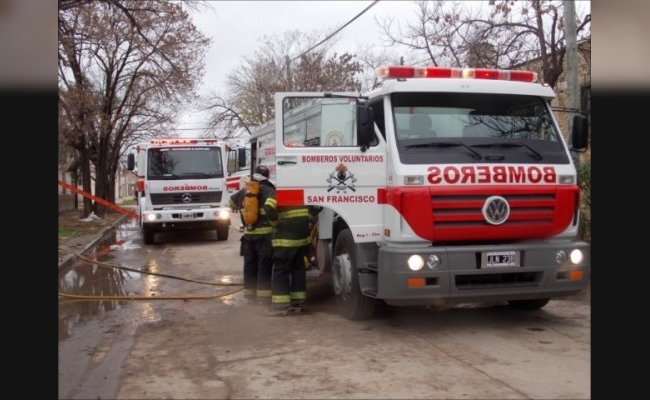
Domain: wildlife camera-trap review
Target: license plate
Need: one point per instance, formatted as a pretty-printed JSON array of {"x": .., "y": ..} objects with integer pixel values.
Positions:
[
  {"x": 187, "y": 215},
  {"x": 495, "y": 259}
]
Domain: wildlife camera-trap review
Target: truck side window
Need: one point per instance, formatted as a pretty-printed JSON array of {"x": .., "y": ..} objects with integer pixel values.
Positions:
[{"x": 317, "y": 121}]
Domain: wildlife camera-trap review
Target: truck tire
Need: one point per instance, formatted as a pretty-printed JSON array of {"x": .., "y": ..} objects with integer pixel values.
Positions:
[
  {"x": 148, "y": 235},
  {"x": 532, "y": 304},
  {"x": 352, "y": 304},
  {"x": 222, "y": 232}
]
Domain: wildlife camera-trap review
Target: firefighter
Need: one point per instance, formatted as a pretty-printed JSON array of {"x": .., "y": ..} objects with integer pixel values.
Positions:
[
  {"x": 291, "y": 243},
  {"x": 256, "y": 240}
]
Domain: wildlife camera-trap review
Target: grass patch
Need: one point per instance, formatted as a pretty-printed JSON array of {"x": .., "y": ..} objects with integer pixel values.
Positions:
[
  {"x": 129, "y": 202},
  {"x": 69, "y": 233}
]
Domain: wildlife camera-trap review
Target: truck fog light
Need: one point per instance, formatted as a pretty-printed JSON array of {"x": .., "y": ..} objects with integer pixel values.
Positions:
[
  {"x": 415, "y": 262},
  {"x": 576, "y": 256},
  {"x": 433, "y": 261},
  {"x": 560, "y": 257}
]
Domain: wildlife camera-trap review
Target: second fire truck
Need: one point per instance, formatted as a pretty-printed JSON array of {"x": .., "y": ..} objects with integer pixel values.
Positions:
[{"x": 181, "y": 186}]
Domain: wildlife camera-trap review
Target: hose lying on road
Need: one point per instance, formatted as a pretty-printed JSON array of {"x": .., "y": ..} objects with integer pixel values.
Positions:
[{"x": 106, "y": 265}]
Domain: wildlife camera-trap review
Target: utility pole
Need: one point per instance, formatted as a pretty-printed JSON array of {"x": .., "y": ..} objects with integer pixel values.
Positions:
[
  {"x": 573, "y": 88},
  {"x": 288, "y": 64}
]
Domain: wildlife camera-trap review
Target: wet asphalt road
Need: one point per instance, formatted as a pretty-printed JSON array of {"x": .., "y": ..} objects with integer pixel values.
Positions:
[{"x": 190, "y": 335}]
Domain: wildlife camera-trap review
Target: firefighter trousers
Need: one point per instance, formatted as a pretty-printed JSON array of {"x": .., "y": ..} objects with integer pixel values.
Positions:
[
  {"x": 289, "y": 279},
  {"x": 258, "y": 266}
]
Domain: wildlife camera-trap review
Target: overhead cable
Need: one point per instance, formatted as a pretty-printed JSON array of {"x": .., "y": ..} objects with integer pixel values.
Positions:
[{"x": 336, "y": 31}]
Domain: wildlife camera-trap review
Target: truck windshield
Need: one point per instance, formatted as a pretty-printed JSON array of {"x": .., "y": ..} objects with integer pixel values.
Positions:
[
  {"x": 184, "y": 163},
  {"x": 473, "y": 128}
]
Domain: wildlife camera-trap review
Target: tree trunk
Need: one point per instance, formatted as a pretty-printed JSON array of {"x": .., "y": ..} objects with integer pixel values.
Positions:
[{"x": 86, "y": 183}]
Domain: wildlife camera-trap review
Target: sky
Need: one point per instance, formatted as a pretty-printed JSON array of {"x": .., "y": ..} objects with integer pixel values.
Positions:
[
  {"x": 236, "y": 28},
  {"x": 28, "y": 35}
]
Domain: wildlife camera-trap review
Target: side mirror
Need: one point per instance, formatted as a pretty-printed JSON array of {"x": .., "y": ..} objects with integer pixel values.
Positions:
[
  {"x": 130, "y": 161},
  {"x": 365, "y": 125},
  {"x": 580, "y": 133}
]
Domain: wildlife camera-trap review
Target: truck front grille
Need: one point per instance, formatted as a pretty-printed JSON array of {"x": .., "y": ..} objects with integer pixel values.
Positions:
[
  {"x": 161, "y": 199},
  {"x": 456, "y": 213},
  {"x": 465, "y": 210}
]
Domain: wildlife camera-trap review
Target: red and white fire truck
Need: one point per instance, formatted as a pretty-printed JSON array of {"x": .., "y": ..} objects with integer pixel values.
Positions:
[
  {"x": 181, "y": 185},
  {"x": 441, "y": 186}
]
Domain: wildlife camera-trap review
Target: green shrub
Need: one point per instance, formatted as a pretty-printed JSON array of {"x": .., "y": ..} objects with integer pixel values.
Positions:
[{"x": 584, "y": 180}]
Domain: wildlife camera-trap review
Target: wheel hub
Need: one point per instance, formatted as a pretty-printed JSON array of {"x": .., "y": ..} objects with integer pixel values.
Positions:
[{"x": 342, "y": 276}]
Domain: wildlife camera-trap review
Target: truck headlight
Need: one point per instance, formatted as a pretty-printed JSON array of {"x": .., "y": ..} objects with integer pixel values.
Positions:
[
  {"x": 223, "y": 214},
  {"x": 576, "y": 256},
  {"x": 434, "y": 261},
  {"x": 415, "y": 262},
  {"x": 153, "y": 217}
]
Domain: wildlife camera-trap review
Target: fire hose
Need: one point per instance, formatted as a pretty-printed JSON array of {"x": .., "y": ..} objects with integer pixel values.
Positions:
[{"x": 238, "y": 286}]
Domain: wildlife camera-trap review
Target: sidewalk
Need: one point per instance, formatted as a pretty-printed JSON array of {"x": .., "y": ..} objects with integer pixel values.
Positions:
[{"x": 87, "y": 233}]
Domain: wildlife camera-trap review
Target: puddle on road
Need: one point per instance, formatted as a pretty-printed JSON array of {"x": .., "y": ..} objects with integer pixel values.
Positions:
[{"x": 95, "y": 276}]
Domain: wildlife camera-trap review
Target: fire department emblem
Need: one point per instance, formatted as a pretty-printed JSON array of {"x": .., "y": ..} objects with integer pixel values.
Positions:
[
  {"x": 334, "y": 138},
  {"x": 341, "y": 180}
]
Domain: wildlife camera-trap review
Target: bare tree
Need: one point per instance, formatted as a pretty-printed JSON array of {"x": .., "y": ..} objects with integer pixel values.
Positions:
[
  {"x": 120, "y": 83},
  {"x": 538, "y": 33},
  {"x": 438, "y": 37},
  {"x": 496, "y": 34},
  {"x": 318, "y": 72},
  {"x": 288, "y": 62},
  {"x": 370, "y": 59}
]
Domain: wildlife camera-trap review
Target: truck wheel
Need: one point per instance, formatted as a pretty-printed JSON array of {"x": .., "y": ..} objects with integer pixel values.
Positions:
[
  {"x": 148, "y": 235},
  {"x": 352, "y": 304},
  {"x": 532, "y": 304},
  {"x": 222, "y": 232}
]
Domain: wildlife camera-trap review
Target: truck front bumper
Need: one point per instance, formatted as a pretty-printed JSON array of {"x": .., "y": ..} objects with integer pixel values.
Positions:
[
  {"x": 205, "y": 218},
  {"x": 543, "y": 270}
]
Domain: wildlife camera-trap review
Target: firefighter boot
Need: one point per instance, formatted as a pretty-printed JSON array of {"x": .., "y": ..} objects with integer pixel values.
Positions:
[
  {"x": 296, "y": 307},
  {"x": 276, "y": 311}
]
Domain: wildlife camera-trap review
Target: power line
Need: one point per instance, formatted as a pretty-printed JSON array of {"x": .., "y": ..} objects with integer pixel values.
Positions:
[{"x": 336, "y": 31}]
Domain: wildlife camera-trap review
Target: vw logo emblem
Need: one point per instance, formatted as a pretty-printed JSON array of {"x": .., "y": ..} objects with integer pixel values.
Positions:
[
  {"x": 495, "y": 210},
  {"x": 186, "y": 197}
]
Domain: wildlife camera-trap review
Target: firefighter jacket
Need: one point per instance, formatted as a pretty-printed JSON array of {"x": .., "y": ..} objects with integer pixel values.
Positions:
[{"x": 292, "y": 226}]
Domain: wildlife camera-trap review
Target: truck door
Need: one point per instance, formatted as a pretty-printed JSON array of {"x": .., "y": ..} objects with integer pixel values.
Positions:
[{"x": 318, "y": 161}]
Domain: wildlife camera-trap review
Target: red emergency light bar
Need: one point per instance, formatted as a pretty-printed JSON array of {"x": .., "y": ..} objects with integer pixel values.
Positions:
[
  {"x": 401, "y": 71},
  {"x": 173, "y": 141}
]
